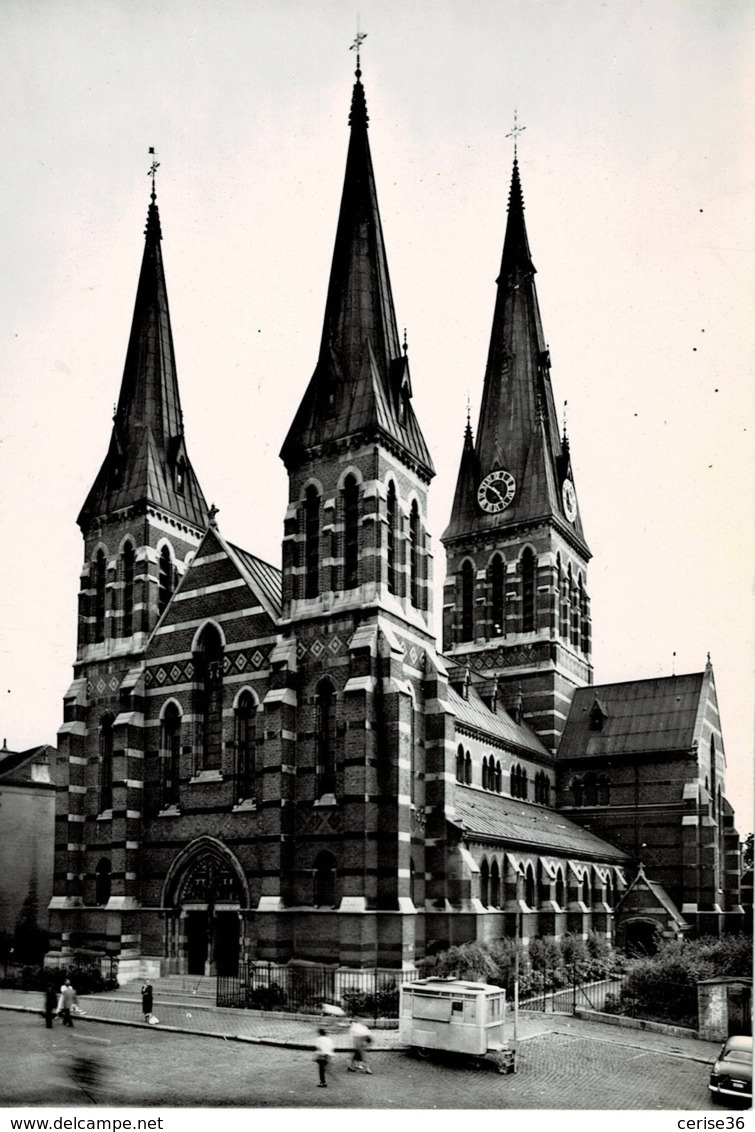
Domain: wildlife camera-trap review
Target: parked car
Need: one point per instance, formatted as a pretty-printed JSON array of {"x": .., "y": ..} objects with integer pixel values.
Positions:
[{"x": 731, "y": 1076}]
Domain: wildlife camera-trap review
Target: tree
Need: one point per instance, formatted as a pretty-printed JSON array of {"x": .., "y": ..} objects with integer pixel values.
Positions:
[
  {"x": 747, "y": 852},
  {"x": 30, "y": 941}
]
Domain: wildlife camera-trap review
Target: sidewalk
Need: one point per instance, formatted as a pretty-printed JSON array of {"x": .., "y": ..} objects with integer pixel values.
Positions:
[{"x": 123, "y": 1007}]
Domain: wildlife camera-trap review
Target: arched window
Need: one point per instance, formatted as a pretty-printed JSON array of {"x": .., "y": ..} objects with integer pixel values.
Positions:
[
  {"x": 609, "y": 891},
  {"x": 414, "y": 556},
  {"x": 350, "y": 533},
  {"x": 584, "y": 627},
  {"x": 523, "y": 784},
  {"x": 311, "y": 542},
  {"x": 127, "y": 569},
  {"x": 468, "y": 768},
  {"x": 495, "y": 885},
  {"x": 574, "y": 624},
  {"x": 586, "y": 896},
  {"x": 460, "y": 764},
  {"x": 563, "y": 600},
  {"x": 713, "y": 765},
  {"x": 530, "y": 894},
  {"x": 514, "y": 784},
  {"x": 498, "y": 777},
  {"x": 246, "y": 741},
  {"x": 577, "y": 791},
  {"x": 485, "y": 773},
  {"x": 467, "y": 601},
  {"x": 528, "y": 591},
  {"x": 181, "y": 476},
  {"x": 604, "y": 791},
  {"x": 591, "y": 790},
  {"x": 171, "y": 754},
  {"x": 412, "y": 752},
  {"x": 325, "y": 778},
  {"x": 100, "y": 581},
  {"x": 392, "y": 515},
  {"x": 208, "y": 668},
  {"x": 102, "y": 882},
  {"x": 166, "y": 580},
  {"x": 546, "y": 790},
  {"x": 324, "y": 880},
  {"x": 106, "y": 763},
  {"x": 484, "y": 883},
  {"x": 560, "y": 888},
  {"x": 497, "y": 597}
]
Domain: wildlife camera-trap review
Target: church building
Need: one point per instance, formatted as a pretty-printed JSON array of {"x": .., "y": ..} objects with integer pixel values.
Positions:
[{"x": 278, "y": 763}]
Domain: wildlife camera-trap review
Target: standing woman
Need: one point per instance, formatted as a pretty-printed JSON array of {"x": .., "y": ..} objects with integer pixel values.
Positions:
[{"x": 147, "y": 1001}]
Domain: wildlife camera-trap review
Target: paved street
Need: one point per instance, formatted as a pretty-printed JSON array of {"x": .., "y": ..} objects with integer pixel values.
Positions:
[{"x": 140, "y": 1066}]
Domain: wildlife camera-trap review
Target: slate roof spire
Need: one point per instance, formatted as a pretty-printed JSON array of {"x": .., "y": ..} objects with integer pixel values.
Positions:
[
  {"x": 147, "y": 459},
  {"x": 361, "y": 382},
  {"x": 518, "y": 429}
]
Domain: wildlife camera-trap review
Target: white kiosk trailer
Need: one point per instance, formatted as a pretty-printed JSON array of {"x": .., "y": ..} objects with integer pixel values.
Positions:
[{"x": 456, "y": 1016}]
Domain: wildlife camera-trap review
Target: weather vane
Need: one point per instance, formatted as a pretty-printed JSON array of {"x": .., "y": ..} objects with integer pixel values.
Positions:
[
  {"x": 517, "y": 130},
  {"x": 359, "y": 39},
  {"x": 153, "y": 169}
]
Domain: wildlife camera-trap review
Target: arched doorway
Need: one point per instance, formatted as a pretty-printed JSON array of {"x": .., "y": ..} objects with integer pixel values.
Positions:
[{"x": 207, "y": 892}]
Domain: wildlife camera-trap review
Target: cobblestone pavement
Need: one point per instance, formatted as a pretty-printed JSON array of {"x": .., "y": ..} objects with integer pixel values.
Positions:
[{"x": 564, "y": 1068}]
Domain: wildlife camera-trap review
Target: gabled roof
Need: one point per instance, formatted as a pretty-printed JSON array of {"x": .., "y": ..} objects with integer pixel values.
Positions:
[
  {"x": 266, "y": 579},
  {"x": 498, "y": 724},
  {"x": 524, "y": 824},
  {"x": 147, "y": 459},
  {"x": 659, "y": 714},
  {"x": 361, "y": 383},
  {"x": 16, "y": 767},
  {"x": 659, "y": 895}
]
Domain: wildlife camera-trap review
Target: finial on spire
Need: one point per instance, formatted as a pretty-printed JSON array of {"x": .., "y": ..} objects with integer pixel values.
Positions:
[
  {"x": 566, "y": 431},
  {"x": 359, "y": 39},
  {"x": 405, "y": 346},
  {"x": 515, "y": 132},
  {"x": 153, "y": 169},
  {"x": 673, "y": 663},
  {"x": 212, "y": 513}
]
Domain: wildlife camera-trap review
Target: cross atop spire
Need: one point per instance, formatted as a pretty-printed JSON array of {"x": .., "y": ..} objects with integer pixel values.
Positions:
[
  {"x": 153, "y": 169},
  {"x": 359, "y": 39},
  {"x": 515, "y": 132}
]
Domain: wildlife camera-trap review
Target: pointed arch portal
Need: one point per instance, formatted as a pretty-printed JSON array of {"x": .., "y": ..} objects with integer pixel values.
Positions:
[{"x": 205, "y": 895}]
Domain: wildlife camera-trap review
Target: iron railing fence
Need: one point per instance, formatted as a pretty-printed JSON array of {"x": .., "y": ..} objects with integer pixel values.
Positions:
[
  {"x": 88, "y": 973},
  {"x": 623, "y": 993},
  {"x": 371, "y": 993}
]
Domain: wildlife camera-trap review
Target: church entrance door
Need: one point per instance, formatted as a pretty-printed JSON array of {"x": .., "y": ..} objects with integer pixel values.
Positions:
[
  {"x": 197, "y": 941},
  {"x": 227, "y": 943}
]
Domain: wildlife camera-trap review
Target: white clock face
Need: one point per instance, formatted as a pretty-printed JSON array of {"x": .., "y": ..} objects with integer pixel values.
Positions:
[
  {"x": 569, "y": 497},
  {"x": 496, "y": 491}
]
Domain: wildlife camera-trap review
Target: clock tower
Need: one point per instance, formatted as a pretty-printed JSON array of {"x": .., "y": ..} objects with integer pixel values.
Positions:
[{"x": 515, "y": 606}]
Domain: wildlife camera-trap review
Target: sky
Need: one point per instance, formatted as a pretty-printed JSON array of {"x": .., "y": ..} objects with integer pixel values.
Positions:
[{"x": 637, "y": 170}]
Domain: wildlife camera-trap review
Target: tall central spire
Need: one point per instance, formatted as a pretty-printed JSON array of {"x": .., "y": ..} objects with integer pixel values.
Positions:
[
  {"x": 518, "y": 428},
  {"x": 147, "y": 459},
  {"x": 361, "y": 382}
]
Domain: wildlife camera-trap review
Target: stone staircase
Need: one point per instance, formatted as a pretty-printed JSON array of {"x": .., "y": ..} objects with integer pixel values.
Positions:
[{"x": 181, "y": 990}]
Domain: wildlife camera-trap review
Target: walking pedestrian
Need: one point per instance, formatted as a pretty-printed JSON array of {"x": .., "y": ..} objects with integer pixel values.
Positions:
[
  {"x": 324, "y": 1049},
  {"x": 51, "y": 1003},
  {"x": 360, "y": 1040},
  {"x": 66, "y": 1003},
  {"x": 147, "y": 1001}
]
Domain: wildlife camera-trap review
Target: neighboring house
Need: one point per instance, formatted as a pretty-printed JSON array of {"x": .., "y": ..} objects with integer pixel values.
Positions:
[
  {"x": 279, "y": 763},
  {"x": 27, "y": 833}
]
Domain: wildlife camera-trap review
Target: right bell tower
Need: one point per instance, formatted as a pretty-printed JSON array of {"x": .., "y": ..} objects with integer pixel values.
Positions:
[{"x": 515, "y": 605}]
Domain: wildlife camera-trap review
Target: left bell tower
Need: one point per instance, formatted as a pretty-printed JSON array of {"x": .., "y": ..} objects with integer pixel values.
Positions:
[{"x": 143, "y": 516}]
